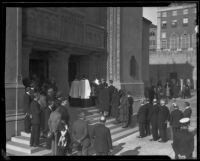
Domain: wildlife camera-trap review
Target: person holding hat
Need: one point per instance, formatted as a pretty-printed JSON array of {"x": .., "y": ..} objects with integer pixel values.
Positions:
[
  {"x": 102, "y": 138},
  {"x": 153, "y": 117},
  {"x": 187, "y": 111},
  {"x": 141, "y": 119},
  {"x": 80, "y": 135},
  {"x": 163, "y": 118},
  {"x": 175, "y": 116},
  {"x": 183, "y": 143}
]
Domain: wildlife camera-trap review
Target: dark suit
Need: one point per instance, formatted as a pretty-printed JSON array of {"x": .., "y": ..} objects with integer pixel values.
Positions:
[
  {"x": 35, "y": 122},
  {"x": 153, "y": 117},
  {"x": 175, "y": 116},
  {"x": 80, "y": 132},
  {"x": 163, "y": 117},
  {"x": 141, "y": 118},
  {"x": 149, "y": 107},
  {"x": 104, "y": 99},
  {"x": 131, "y": 101},
  {"x": 187, "y": 112},
  {"x": 111, "y": 89},
  {"x": 102, "y": 139},
  {"x": 26, "y": 106},
  {"x": 183, "y": 144}
]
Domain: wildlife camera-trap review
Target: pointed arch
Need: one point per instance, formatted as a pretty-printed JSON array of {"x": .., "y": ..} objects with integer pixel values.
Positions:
[{"x": 185, "y": 40}]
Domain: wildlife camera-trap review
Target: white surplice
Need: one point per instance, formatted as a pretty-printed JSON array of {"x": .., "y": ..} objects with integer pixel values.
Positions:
[
  {"x": 74, "y": 90},
  {"x": 85, "y": 89}
]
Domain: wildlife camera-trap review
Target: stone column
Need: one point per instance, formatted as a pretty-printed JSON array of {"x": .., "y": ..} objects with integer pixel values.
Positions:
[
  {"x": 92, "y": 66},
  {"x": 26, "y": 51},
  {"x": 113, "y": 45},
  {"x": 13, "y": 71}
]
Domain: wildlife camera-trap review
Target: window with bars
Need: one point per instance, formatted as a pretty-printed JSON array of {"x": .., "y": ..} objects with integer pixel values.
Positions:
[
  {"x": 185, "y": 41},
  {"x": 164, "y": 14},
  {"x": 185, "y": 11},
  {"x": 174, "y": 23},
  {"x": 173, "y": 42},
  {"x": 164, "y": 24},
  {"x": 163, "y": 44},
  {"x": 185, "y": 21}
]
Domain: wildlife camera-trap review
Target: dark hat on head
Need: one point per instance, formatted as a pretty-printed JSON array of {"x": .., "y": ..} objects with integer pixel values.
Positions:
[{"x": 111, "y": 81}]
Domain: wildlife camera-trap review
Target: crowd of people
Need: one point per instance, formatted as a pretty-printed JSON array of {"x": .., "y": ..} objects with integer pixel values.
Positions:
[
  {"x": 47, "y": 115},
  {"x": 154, "y": 118},
  {"x": 171, "y": 89}
]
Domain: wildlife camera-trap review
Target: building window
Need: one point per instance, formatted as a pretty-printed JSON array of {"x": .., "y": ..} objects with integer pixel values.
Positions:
[
  {"x": 174, "y": 23},
  {"x": 164, "y": 24},
  {"x": 185, "y": 41},
  {"x": 174, "y": 13},
  {"x": 164, "y": 14},
  {"x": 173, "y": 42},
  {"x": 194, "y": 41},
  {"x": 164, "y": 44},
  {"x": 185, "y": 11},
  {"x": 163, "y": 35},
  {"x": 185, "y": 21},
  {"x": 152, "y": 33}
]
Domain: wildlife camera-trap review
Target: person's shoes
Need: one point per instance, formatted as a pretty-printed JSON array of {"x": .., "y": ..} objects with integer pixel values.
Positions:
[{"x": 152, "y": 140}]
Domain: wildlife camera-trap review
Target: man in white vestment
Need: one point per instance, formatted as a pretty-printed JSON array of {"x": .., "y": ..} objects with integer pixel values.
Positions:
[
  {"x": 74, "y": 92},
  {"x": 84, "y": 91}
]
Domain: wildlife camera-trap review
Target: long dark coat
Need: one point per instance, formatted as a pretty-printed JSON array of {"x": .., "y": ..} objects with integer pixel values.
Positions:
[
  {"x": 141, "y": 115},
  {"x": 26, "y": 103},
  {"x": 175, "y": 116},
  {"x": 183, "y": 143},
  {"x": 111, "y": 89},
  {"x": 115, "y": 104},
  {"x": 163, "y": 114},
  {"x": 35, "y": 112},
  {"x": 102, "y": 138},
  {"x": 104, "y": 99},
  {"x": 124, "y": 109},
  {"x": 187, "y": 112}
]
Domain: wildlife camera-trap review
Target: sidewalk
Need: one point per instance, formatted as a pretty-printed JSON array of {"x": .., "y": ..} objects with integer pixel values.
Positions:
[{"x": 132, "y": 145}]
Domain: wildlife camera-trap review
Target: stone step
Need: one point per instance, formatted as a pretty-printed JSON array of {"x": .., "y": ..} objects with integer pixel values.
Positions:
[
  {"x": 96, "y": 120},
  {"x": 94, "y": 115},
  {"x": 44, "y": 152},
  {"x": 22, "y": 147},
  {"x": 24, "y": 140},
  {"x": 123, "y": 134},
  {"x": 93, "y": 110},
  {"x": 25, "y": 134}
]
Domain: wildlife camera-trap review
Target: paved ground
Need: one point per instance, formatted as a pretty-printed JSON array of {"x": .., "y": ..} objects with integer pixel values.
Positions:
[{"x": 132, "y": 145}]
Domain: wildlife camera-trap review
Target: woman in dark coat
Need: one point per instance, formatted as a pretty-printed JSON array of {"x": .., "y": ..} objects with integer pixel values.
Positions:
[{"x": 115, "y": 102}]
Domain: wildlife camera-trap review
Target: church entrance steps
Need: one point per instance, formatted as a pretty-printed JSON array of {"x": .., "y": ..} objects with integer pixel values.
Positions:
[
  {"x": 23, "y": 140},
  {"x": 19, "y": 145},
  {"x": 25, "y": 134}
]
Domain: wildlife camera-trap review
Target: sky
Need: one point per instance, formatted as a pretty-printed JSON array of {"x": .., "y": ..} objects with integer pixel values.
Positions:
[{"x": 150, "y": 13}]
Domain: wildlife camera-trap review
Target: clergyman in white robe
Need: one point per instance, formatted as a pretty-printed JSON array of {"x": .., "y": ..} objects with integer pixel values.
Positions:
[
  {"x": 74, "y": 93},
  {"x": 84, "y": 92}
]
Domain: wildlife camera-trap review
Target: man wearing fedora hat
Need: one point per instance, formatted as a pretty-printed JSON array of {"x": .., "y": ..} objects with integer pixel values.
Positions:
[
  {"x": 102, "y": 138},
  {"x": 183, "y": 143}
]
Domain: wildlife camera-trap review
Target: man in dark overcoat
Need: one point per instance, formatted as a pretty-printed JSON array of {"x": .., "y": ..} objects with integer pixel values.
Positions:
[
  {"x": 148, "y": 107},
  {"x": 163, "y": 118},
  {"x": 175, "y": 116},
  {"x": 102, "y": 138},
  {"x": 153, "y": 117},
  {"x": 35, "y": 121},
  {"x": 26, "y": 105},
  {"x": 111, "y": 89},
  {"x": 187, "y": 111},
  {"x": 141, "y": 119},
  {"x": 131, "y": 102},
  {"x": 115, "y": 102},
  {"x": 104, "y": 99},
  {"x": 80, "y": 135},
  {"x": 183, "y": 143}
]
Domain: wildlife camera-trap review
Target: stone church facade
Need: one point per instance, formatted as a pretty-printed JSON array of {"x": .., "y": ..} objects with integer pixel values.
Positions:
[{"x": 61, "y": 42}]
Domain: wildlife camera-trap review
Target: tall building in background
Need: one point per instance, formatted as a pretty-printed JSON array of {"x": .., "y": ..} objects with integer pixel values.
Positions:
[
  {"x": 152, "y": 38},
  {"x": 176, "y": 27}
]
